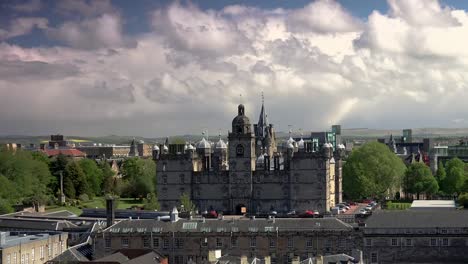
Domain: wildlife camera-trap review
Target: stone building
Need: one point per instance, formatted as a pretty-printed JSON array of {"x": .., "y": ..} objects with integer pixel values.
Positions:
[
  {"x": 416, "y": 237},
  {"x": 38, "y": 248},
  {"x": 182, "y": 240},
  {"x": 249, "y": 172}
]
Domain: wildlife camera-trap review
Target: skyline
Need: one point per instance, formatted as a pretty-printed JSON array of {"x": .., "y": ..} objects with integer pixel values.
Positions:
[{"x": 172, "y": 68}]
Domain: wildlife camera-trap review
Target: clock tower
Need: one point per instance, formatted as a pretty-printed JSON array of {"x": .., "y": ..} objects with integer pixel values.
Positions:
[{"x": 241, "y": 162}]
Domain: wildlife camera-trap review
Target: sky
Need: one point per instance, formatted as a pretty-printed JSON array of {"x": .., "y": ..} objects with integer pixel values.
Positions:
[{"x": 161, "y": 68}]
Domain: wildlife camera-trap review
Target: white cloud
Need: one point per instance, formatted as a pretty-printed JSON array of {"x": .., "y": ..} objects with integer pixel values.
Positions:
[{"x": 100, "y": 32}]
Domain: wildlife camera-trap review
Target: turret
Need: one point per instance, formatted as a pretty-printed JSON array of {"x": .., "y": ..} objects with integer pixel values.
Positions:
[{"x": 155, "y": 152}]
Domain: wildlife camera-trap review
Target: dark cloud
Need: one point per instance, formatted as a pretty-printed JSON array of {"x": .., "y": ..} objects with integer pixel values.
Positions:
[{"x": 102, "y": 91}]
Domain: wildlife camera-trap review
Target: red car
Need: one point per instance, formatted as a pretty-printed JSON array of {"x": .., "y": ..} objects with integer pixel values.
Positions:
[{"x": 308, "y": 214}]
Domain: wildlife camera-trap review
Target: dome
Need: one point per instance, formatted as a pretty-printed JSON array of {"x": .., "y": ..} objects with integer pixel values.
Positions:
[
  {"x": 290, "y": 141},
  {"x": 289, "y": 145},
  {"x": 221, "y": 145},
  {"x": 241, "y": 121},
  {"x": 190, "y": 147},
  {"x": 301, "y": 144},
  {"x": 327, "y": 145},
  {"x": 203, "y": 144},
  {"x": 155, "y": 147},
  {"x": 165, "y": 148},
  {"x": 341, "y": 146}
]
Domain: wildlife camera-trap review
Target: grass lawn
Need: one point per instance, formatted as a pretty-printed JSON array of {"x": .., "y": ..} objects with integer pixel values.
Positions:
[
  {"x": 97, "y": 202},
  {"x": 398, "y": 206}
]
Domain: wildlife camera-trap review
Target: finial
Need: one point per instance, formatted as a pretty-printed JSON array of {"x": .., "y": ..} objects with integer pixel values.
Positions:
[
  {"x": 263, "y": 98},
  {"x": 240, "y": 98},
  {"x": 219, "y": 133}
]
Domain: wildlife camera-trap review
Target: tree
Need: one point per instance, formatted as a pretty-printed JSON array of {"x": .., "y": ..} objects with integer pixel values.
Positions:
[
  {"x": 372, "y": 171},
  {"x": 109, "y": 181},
  {"x": 440, "y": 174},
  {"x": 151, "y": 202},
  {"x": 140, "y": 177},
  {"x": 75, "y": 174},
  {"x": 453, "y": 183},
  {"x": 94, "y": 176},
  {"x": 5, "y": 207},
  {"x": 463, "y": 199},
  {"x": 419, "y": 180},
  {"x": 186, "y": 205},
  {"x": 57, "y": 166}
]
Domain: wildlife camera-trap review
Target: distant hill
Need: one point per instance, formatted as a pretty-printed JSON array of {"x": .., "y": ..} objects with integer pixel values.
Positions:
[{"x": 351, "y": 133}]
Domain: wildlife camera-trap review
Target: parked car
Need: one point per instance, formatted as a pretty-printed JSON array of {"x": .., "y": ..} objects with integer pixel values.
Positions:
[
  {"x": 308, "y": 214},
  {"x": 352, "y": 203},
  {"x": 210, "y": 214},
  {"x": 342, "y": 206},
  {"x": 363, "y": 211},
  {"x": 291, "y": 213}
]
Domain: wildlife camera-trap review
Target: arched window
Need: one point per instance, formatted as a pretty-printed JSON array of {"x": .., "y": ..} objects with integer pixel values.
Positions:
[{"x": 240, "y": 150}]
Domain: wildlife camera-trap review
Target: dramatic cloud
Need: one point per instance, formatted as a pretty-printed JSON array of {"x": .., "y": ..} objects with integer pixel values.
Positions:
[
  {"x": 28, "y": 6},
  {"x": 22, "y": 26},
  {"x": 317, "y": 65}
]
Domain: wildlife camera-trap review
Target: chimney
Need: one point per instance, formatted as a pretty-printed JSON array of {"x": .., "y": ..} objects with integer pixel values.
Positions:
[{"x": 110, "y": 211}]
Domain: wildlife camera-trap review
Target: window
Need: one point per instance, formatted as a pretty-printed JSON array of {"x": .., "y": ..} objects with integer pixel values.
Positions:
[
  {"x": 22, "y": 258},
  {"x": 41, "y": 252},
  {"x": 155, "y": 242},
  {"x": 272, "y": 242},
  {"x": 55, "y": 249},
  {"x": 182, "y": 179},
  {"x": 27, "y": 258},
  {"x": 179, "y": 243},
  {"x": 50, "y": 251},
  {"x": 32, "y": 254},
  {"x": 368, "y": 242},
  {"x": 394, "y": 242},
  {"x": 179, "y": 259},
  {"x": 290, "y": 242},
  {"x": 166, "y": 243},
  {"x": 234, "y": 241},
  {"x": 444, "y": 231},
  {"x": 309, "y": 242},
  {"x": 8, "y": 260},
  {"x": 219, "y": 242},
  {"x": 433, "y": 242},
  {"x": 240, "y": 150},
  {"x": 445, "y": 242},
  {"x": 164, "y": 179},
  {"x": 14, "y": 258},
  {"x": 204, "y": 242},
  {"x": 124, "y": 242},
  {"x": 409, "y": 242},
  {"x": 146, "y": 242},
  {"x": 253, "y": 242},
  {"x": 374, "y": 258}
]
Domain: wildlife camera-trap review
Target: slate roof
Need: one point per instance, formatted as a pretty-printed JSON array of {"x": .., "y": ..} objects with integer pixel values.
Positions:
[
  {"x": 132, "y": 256},
  {"x": 418, "y": 219},
  {"x": 30, "y": 224},
  {"x": 238, "y": 225}
]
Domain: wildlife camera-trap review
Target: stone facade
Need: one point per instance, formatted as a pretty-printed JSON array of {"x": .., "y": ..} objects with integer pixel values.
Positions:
[
  {"x": 38, "y": 248},
  {"x": 248, "y": 172},
  {"x": 184, "y": 240}
]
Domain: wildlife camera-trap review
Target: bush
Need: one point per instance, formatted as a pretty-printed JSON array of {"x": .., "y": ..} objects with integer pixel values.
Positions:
[
  {"x": 463, "y": 199},
  {"x": 83, "y": 197},
  {"x": 5, "y": 207}
]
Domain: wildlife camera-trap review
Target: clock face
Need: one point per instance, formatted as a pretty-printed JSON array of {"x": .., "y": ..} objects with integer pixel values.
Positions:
[
  {"x": 259, "y": 143},
  {"x": 240, "y": 150}
]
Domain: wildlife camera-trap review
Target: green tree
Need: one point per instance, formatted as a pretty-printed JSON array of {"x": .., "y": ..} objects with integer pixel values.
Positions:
[
  {"x": 419, "y": 179},
  {"x": 186, "y": 205},
  {"x": 75, "y": 174},
  {"x": 5, "y": 207},
  {"x": 23, "y": 176},
  {"x": 108, "y": 179},
  {"x": 94, "y": 176},
  {"x": 440, "y": 174},
  {"x": 151, "y": 202},
  {"x": 57, "y": 165},
  {"x": 463, "y": 199},
  {"x": 69, "y": 188},
  {"x": 140, "y": 177},
  {"x": 372, "y": 171},
  {"x": 455, "y": 179}
]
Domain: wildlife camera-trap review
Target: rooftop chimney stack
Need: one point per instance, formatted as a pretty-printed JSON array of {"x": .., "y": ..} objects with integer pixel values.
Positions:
[{"x": 110, "y": 211}]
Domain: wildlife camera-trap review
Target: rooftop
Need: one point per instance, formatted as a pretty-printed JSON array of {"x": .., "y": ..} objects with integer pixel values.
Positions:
[
  {"x": 13, "y": 240},
  {"x": 232, "y": 225},
  {"x": 418, "y": 219}
]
